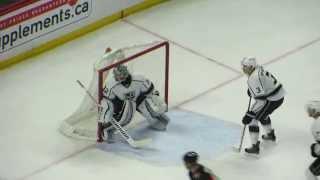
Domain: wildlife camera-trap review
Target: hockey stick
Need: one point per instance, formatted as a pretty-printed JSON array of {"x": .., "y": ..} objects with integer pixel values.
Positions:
[
  {"x": 115, "y": 124},
  {"x": 238, "y": 149}
]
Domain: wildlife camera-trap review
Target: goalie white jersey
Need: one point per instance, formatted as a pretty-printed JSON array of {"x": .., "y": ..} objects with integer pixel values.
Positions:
[
  {"x": 138, "y": 86},
  {"x": 120, "y": 101},
  {"x": 264, "y": 86}
]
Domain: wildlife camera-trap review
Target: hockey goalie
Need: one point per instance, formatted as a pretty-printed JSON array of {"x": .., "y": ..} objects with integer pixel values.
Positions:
[{"x": 123, "y": 96}]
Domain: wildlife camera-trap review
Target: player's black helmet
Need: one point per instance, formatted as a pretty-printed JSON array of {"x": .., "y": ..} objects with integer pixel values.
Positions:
[{"x": 191, "y": 157}]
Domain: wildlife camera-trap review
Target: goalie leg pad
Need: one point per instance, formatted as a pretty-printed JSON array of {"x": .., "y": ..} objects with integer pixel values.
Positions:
[
  {"x": 124, "y": 117},
  {"x": 118, "y": 108},
  {"x": 155, "y": 116},
  {"x": 156, "y": 104},
  {"x": 162, "y": 123},
  {"x": 128, "y": 113}
]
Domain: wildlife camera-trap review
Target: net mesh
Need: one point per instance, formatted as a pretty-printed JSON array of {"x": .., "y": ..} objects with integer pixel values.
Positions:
[{"x": 149, "y": 60}]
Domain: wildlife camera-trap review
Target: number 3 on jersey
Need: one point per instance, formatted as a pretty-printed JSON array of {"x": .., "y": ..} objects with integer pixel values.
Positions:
[{"x": 269, "y": 75}]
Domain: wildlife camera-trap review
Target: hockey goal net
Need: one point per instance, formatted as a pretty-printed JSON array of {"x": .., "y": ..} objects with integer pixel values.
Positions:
[{"x": 150, "y": 60}]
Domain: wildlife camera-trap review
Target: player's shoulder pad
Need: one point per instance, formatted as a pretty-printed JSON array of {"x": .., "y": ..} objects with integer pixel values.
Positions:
[
  {"x": 254, "y": 76},
  {"x": 138, "y": 78},
  {"x": 111, "y": 84},
  {"x": 143, "y": 80}
]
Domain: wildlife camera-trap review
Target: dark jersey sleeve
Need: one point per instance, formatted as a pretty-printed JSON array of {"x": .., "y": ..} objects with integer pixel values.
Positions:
[{"x": 204, "y": 174}]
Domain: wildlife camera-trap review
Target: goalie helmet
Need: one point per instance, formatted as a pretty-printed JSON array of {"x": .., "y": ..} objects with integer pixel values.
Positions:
[
  {"x": 121, "y": 73},
  {"x": 248, "y": 65},
  {"x": 313, "y": 108},
  {"x": 190, "y": 157}
]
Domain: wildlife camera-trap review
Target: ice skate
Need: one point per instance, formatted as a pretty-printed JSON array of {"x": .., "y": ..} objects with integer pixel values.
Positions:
[
  {"x": 269, "y": 136},
  {"x": 254, "y": 149}
]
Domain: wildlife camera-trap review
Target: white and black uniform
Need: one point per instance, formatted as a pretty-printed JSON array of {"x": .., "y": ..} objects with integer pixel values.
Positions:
[
  {"x": 314, "y": 168},
  {"x": 120, "y": 102},
  {"x": 267, "y": 92}
]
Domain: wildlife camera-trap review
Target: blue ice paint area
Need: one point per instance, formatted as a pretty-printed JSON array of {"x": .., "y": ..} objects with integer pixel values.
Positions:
[{"x": 187, "y": 131}]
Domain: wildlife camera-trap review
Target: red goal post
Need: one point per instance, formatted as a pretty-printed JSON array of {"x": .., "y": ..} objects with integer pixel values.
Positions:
[
  {"x": 164, "y": 44},
  {"x": 150, "y": 60}
]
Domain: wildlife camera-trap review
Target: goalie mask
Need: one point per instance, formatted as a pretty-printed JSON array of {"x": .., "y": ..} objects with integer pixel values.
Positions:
[
  {"x": 248, "y": 64},
  {"x": 122, "y": 75}
]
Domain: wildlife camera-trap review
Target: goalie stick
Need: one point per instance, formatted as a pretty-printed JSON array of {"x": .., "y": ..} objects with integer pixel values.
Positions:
[{"x": 119, "y": 128}]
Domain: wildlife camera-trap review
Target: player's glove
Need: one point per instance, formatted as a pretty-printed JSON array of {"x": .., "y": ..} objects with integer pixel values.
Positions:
[
  {"x": 247, "y": 118},
  {"x": 249, "y": 93}
]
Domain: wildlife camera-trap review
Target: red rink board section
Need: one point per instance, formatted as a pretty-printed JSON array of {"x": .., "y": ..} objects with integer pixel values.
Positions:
[
  {"x": 34, "y": 12},
  {"x": 14, "y": 6}
]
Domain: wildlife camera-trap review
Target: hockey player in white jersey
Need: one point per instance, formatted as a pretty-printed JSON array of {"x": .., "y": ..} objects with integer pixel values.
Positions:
[
  {"x": 313, "y": 110},
  {"x": 268, "y": 94},
  {"x": 127, "y": 94}
]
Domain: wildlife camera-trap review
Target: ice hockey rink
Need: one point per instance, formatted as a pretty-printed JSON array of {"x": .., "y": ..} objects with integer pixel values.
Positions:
[{"x": 207, "y": 42}]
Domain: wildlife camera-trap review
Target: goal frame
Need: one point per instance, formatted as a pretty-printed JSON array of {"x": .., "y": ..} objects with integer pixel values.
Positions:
[{"x": 164, "y": 44}]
